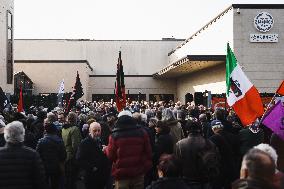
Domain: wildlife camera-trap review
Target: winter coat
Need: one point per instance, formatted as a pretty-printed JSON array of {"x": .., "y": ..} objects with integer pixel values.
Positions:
[
  {"x": 52, "y": 152},
  {"x": 93, "y": 161},
  {"x": 164, "y": 144},
  {"x": 71, "y": 137},
  {"x": 37, "y": 128},
  {"x": 176, "y": 130},
  {"x": 278, "y": 144},
  {"x": 193, "y": 152},
  {"x": 21, "y": 167},
  {"x": 30, "y": 139},
  {"x": 169, "y": 183},
  {"x": 251, "y": 184},
  {"x": 2, "y": 140},
  {"x": 248, "y": 139},
  {"x": 129, "y": 149},
  {"x": 228, "y": 166}
]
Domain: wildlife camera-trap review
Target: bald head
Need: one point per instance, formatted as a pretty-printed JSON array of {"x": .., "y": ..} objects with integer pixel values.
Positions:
[
  {"x": 95, "y": 130},
  {"x": 258, "y": 165},
  {"x": 202, "y": 117}
]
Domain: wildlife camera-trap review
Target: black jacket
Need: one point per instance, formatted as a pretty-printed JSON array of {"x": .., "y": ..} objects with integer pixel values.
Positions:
[
  {"x": 251, "y": 184},
  {"x": 199, "y": 158},
  {"x": 168, "y": 183},
  {"x": 164, "y": 144},
  {"x": 21, "y": 167},
  {"x": 93, "y": 161},
  {"x": 52, "y": 152}
]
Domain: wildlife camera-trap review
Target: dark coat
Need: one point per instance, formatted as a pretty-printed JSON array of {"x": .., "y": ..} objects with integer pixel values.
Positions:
[
  {"x": 248, "y": 139},
  {"x": 228, "y": 166},
  {"x": 105, "y": 132},
  {"x": 2, "y": 140},
  {"x": 168, "y": 183},
  {"x": 30, "y": 139},
  {"x": 37, "y": 128},
  {"x": 21, "y": 167},
  {"x": 129, "y": 149},
  {"x": 251, "y": 184},
  {"x": 193, "y": 152},
  {"x": 94, "y": 162},
  {"x": 278, "y": 144},
  {"x": 164, "y": 144},
  {"x": 52, "y": 152}
]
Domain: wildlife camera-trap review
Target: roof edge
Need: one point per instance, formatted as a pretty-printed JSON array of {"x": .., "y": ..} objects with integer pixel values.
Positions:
[
  {"x": 259, "y": 6},
  {"x": 190, "y": 58},
  {"x": 55, "y": 61},
  {"x": 203, "y": 28}
]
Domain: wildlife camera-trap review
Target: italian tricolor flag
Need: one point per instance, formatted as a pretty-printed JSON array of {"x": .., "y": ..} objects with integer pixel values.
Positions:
[{"x": 241, "y": 94}]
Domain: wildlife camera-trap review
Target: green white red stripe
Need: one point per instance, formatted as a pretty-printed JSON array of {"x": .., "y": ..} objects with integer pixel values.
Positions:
[{"x": 241, "y": 93}]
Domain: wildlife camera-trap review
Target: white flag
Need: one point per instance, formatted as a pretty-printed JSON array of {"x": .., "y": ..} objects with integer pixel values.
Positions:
[{"x": 61, "y": 87}]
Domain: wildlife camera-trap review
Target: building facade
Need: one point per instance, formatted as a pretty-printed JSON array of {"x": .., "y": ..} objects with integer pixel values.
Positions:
[
  {"x": 47, "y": 62},
  {"x": 6, "y": 45},
  {"x": 167, "y": 67}
]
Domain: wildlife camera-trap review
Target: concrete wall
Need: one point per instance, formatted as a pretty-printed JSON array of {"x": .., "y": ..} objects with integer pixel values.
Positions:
[
  {"x": 4, "y": 6},
  {"x": 140, "y": 59},
  {"x": 212, "y": 79},
  {"x": 47, "y": 76},
  {"x": 263, "y": 63},
  {"x": 146, "y": 85}
]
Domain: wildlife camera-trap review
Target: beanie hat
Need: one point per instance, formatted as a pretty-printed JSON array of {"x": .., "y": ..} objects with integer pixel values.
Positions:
[{"x": 216, "y": 124}]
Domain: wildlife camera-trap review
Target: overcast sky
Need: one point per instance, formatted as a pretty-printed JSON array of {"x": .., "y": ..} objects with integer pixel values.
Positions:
[{"x": 115, "y": 19}]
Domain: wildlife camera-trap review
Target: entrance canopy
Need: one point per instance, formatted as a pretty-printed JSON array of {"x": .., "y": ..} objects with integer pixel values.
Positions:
[{"x": 190, "y": 64}]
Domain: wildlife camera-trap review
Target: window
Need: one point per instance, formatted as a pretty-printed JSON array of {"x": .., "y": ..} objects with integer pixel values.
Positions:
[{"x": 9, "y": 47}]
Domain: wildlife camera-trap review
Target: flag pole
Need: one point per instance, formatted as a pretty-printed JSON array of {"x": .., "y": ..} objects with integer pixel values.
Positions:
[{"x": 262, "y": 117}]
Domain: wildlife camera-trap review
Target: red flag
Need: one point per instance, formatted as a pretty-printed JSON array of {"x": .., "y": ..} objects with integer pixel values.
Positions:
[
  {"x": 76, "y": 94},
  {"x": 120, "y": 96},
  {"x": 280, "y": 90},
  {"x": 20, "y": 103}
]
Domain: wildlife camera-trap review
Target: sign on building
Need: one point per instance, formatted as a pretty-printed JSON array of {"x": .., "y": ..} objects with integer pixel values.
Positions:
[{"x": 263, "y": 22}]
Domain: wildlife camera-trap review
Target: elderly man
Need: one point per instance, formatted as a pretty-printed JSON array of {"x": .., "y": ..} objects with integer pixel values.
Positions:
[
  {"x": 92, "y": 159},
  {"x": 20, "y": 166},
  {"x": 258, "y": 171}
]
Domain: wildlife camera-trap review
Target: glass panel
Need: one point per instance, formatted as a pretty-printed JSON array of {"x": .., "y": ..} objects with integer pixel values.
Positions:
[{"x": 9, "y": 19}]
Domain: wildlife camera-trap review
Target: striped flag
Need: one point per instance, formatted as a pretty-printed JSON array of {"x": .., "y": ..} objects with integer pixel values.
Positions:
[
  {"x": 60, "y": 94},
  {"x": 241, "y": 93},
  {"x": 280, "y": 90}
]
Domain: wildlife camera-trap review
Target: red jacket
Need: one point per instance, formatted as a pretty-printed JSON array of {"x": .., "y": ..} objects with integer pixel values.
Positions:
[{"x": 129, "y": 149}]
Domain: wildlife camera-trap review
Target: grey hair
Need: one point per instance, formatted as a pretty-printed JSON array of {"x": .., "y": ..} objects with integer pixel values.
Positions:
[
  {"x": 168, "y": 115},
  {"x": 269, "y": 150},
  {"x": 14, "y": 132}
]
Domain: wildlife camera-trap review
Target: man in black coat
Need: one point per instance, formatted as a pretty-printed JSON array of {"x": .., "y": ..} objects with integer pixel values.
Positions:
[
  {"x": 52, "y": 151},
  {"x": 92, "y": 159},
  {"x": 20, "y": 166}
]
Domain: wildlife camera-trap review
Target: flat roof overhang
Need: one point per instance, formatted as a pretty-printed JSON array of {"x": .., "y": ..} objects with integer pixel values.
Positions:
[{"x": 190, "y": 64}]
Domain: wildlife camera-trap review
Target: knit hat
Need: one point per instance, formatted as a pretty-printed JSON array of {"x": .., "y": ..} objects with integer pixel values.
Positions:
[
  {"x": 216, "y": 124},
  {"x": 125, "y": 112}
]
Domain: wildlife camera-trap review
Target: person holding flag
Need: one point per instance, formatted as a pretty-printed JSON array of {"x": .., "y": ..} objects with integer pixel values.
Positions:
[
  {"x": 274, "y": 120},
  {"x": 241, "y": 94}
]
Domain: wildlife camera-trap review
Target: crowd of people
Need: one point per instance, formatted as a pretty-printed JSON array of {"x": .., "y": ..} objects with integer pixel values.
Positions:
[{"x": 147, "y": 145}]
